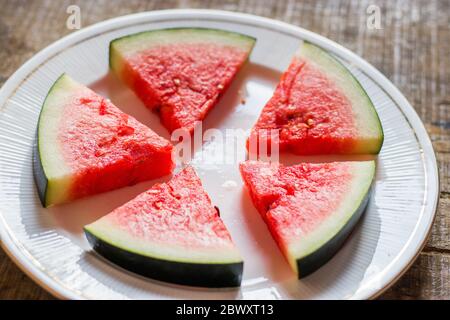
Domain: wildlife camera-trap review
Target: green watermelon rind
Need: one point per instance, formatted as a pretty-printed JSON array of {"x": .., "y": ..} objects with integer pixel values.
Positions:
[
  {"x": 313, "y": 255},
  {"x": 193, "y": 273},
  {"x": 42, "y": 170},
  {"x": 352, "y": 88},
  {"x": 313, "y": 261},
  {"x": 115, "y": 236},
  {"x": 120, "y": 47}
]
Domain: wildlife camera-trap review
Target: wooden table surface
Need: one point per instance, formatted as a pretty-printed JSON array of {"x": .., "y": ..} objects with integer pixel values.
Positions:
[{"x": 412, "y": 49}]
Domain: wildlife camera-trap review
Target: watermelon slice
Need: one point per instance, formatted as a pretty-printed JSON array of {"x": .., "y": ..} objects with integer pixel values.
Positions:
[
  {"x": 320, "y": 108},
  {"x": 181, "y": 72},
  {"x": 309, "y": 208},
  {"x": 171, "y": 233},
  {"x": 86, "y": 145}
]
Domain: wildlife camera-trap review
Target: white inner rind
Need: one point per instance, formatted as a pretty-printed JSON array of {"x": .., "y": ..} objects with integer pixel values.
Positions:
[
  {"x": 363, "y": 174},
  {"x": 370, "y": 133},
  {"x": 58, "y": 174},
  {"x": 110, "y": 233}
]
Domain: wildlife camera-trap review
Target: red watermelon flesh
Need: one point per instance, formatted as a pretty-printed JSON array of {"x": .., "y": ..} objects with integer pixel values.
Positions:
[
  {"x": 181, "y": 73},
  {"x": 171, "y": 232},
  {"x": 177, "y": 214},
  {"x": 306, "y": 205},
  {"x": 87, "y": 145},
  {"x": 319, "y": 108}
]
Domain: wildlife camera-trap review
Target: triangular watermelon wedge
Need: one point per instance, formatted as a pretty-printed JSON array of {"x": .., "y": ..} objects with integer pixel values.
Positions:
[
  {"x": 309, "y": 208},
  {"x": 172, "y": 233},
  {"x": 86, "y": 145},
  {"x": 180, "y": 72},
  {"x": 319, "y": 108}
]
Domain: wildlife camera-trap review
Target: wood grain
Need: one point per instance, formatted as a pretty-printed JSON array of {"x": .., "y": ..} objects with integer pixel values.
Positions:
[{"x": 412, "y": 49}]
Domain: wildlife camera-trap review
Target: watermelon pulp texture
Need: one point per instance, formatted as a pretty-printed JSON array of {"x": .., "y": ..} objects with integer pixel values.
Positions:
[
  {"x": 173, "y": 222},
  {"x": 87, "y": 145},
  {"x": 320, "y": 108},
  {"x": 180, "y": 73},
  {"x": 307, "y": 205}
]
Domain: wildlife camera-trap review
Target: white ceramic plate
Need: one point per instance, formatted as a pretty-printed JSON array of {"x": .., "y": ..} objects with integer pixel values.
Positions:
[{"x": 50, "y": 247}]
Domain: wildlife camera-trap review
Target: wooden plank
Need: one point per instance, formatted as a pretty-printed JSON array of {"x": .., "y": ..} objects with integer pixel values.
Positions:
[
  {"x": 440, "y": 137},
  {"x": 14, "y": 284},
  {"x": 444, "y": 171},
  {"x": 439, "y": 238},
  {"x": 428, "y": 278}
]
